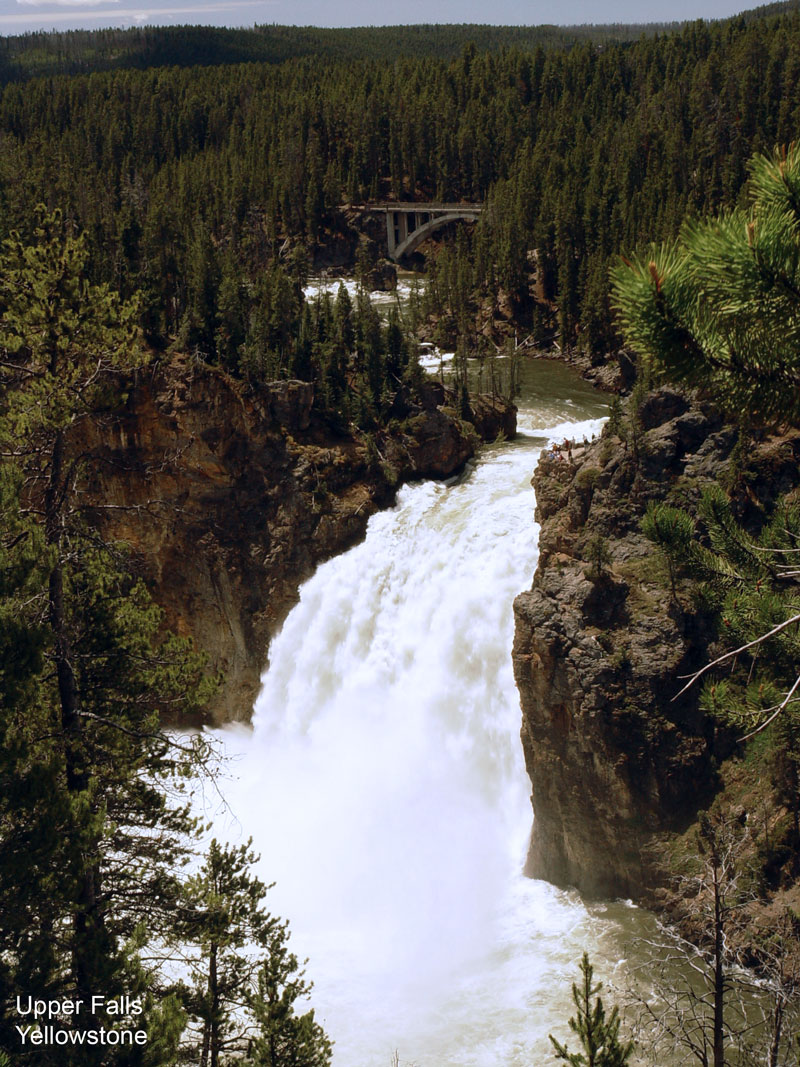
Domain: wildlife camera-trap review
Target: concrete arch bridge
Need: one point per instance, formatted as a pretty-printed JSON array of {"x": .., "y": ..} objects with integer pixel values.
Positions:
[{"x": 407, "y": 225}]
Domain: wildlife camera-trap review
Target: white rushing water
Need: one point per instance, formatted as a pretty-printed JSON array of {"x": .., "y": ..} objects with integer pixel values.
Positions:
[
  {"x": 406, "y": 283},
  {"x": 383, "y": 781}
]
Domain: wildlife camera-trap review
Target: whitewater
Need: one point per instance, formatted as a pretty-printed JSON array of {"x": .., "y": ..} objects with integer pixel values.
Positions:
[{"x": 383, "y": 781}]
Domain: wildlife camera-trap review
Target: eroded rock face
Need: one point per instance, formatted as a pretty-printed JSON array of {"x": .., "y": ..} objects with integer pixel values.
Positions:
[
  {"x": 493, "y": 417},
  {"x": 436, "y": 444},
  {"x": 230, "y": 498},
  {"x": 383, "y": 279},
  {"x": 616, "y": 760}
]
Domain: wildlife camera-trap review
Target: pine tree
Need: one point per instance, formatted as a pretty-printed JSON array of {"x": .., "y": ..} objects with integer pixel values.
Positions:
[
  {"x": 247, "y": 982},
  {"x": 702, "y": 1012},
  {"x": 396, "y": 350},
  {"x": 59, "y": 370},
  {"x": 598, "y": 1035},
  {"x": 89, "y": 840},
  {"x": 343, "y": 320},
  {"x": 720, "y": 308},
  {"x": 749, "y": 582},
  {"x": 672, "y": 530},
  {"x": 222, "y": 916},
  {"x": 285, "y": 1039}
]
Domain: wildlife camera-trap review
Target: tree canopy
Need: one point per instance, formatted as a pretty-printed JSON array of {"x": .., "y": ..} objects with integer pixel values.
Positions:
[
  {"x": 195, "y": 183},
  {"x": 720, "y": 307},
  {"x": 96, "y": 824}
]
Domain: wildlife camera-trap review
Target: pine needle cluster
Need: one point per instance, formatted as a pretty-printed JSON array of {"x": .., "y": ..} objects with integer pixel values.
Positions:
[
  {"x": 751, "y": 584},
  {"x": 720, "y": 307}
]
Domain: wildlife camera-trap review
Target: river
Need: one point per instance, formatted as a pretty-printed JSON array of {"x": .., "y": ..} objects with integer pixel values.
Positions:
[{"x": 383, "y": 780}]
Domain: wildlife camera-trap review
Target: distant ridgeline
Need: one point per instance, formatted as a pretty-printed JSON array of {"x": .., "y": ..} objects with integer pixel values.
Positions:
[
  {"x": 207, "y": 188},
  {"x": 85, "y": 51}
]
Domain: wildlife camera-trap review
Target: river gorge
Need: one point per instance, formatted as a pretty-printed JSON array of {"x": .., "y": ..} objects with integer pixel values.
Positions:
[
  {"x": 383, "y": 779},
  {"x": 468, "y": 693}
]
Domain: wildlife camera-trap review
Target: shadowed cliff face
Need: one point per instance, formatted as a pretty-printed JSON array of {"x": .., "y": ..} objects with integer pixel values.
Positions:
[
  {"x": 615, "y": 760},
  {"x": 229, "y": 499}
]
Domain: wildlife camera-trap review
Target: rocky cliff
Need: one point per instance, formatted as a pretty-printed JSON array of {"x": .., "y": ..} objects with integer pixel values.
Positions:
[
  {"x": 618, "y": 763},
  {"x": 229, "y": 498}
]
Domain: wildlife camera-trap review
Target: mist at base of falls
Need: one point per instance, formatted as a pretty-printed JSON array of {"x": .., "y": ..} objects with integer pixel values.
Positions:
[{"x": 383, "y": 781}]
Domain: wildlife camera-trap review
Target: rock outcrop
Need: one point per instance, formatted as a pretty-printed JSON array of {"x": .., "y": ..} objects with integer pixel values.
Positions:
[
  {"x": 230, "y": 497},
  {"x": 493, "y": 417},
  {"x": 617, "y": 761},
  {"x": 383, "y": 278}
]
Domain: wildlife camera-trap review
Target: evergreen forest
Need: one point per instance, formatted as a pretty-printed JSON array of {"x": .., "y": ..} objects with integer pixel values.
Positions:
[
  {"x": 170, "y": 191},
  {"x": 204, "y": 188}
]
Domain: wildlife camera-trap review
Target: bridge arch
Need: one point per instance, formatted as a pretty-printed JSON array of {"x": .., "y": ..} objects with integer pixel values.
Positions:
[
  {"x": 416, "y": 237},
  {"x": 407, "y": 225}
]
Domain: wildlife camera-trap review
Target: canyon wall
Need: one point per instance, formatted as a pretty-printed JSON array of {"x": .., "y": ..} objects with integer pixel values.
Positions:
[
  {"x": 228, "y": 497},
  {"x": 619, "y": 763}
]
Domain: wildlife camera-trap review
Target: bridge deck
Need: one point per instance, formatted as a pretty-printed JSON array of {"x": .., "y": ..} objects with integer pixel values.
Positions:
[{"x": 422, "y": 206}]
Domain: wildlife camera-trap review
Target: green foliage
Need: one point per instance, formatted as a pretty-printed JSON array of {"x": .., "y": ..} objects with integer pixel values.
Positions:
[
  {"x": 64, "y": 337},
  {"x": 634, "y": 433},
  {"x": 598, "y": 556},
  {"x": 673, "y": 531},
  {"x": 91, "y": 841},
  {"x": 95, "y": 817},
  {"x": 751, "y": 584},
  {"x": 670, "y": 528},
  {"x": 720, "y": 308},
  {"x": 615, "y": 424},
  {"x": 735, "y": 562},
  {"x": 77, "y": 51},
  {"x": 586, "y": 478},
  {"x": 193, "y": 183},
  {"x": 246, "y": 981},
  {"x": 285, "y": 1039},
  {"x": 96, "y": 806},
  {"x": 598, "y": 1035}
]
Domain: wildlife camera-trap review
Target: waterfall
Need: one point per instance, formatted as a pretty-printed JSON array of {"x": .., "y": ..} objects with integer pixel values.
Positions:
[{"x": 384, "y": 786}]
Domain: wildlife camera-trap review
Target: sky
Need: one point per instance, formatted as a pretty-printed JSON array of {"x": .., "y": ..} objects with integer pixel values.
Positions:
[{"x": 22, "y": 16}]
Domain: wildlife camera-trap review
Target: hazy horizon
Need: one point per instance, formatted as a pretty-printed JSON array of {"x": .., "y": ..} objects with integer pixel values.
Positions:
[{"x": 24, "y": 16}]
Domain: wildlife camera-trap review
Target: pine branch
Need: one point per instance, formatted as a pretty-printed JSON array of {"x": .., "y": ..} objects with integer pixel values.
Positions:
[{"x": 737, "y": 651}]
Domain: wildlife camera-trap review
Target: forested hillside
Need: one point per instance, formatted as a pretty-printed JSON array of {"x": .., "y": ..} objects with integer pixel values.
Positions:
[
  {"x": 85, "y": 51},
  {"x": 189, "y": 181}
]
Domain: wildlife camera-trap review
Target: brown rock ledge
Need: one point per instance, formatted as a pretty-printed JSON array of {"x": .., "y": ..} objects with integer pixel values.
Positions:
[
  {"x": 617, "y": 764},
  {"x": 230, "y": 497}
]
